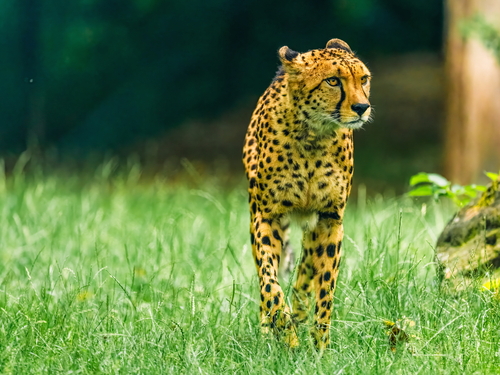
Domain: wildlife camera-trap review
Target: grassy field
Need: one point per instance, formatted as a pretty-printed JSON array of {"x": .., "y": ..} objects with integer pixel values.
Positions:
[{"x": 106, "y": 274}]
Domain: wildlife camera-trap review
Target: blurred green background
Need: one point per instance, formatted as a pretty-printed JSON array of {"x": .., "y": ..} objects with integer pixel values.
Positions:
[{"x": 173, "y": 80}]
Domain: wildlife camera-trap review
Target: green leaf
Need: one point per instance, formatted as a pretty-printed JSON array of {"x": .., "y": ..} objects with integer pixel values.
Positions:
[
  {"x": 421, "y": 191},
  {"x": 470, "y": 190},
  {"x": 458, "y": 189},
  {"x": 492, "y": 176},
  {"x": 440, "y": 192},
  {"x": 419, "y": 178},
  {"x": 438, "y": 180}
]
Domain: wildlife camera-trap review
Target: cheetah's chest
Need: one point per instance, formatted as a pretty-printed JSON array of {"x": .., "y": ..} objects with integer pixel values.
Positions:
[{"x": 295, "y": 180}]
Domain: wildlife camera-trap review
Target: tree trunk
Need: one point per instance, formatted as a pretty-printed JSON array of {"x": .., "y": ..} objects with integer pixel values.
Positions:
[{"x": 472, "y": 126}]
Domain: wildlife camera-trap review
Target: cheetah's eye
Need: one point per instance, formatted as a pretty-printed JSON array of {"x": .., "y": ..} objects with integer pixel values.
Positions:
[
  {"x": 333, "y": 81},
  {"x": 364, "y": 80}
]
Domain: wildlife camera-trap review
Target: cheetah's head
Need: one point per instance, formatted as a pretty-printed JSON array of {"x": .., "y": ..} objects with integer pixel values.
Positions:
[{"x": 330, "y": 86}]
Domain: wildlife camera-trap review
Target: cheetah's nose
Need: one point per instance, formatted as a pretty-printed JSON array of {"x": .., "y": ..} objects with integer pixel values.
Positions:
[{"x": 360, "y": 108}]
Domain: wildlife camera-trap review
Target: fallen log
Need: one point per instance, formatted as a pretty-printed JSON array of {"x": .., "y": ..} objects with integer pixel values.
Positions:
[{"x": 468, "y": 249}]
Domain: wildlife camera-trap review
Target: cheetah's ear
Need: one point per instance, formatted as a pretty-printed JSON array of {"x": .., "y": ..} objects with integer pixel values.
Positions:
[
  {"x": 338, "y": 43},
  {"x": 288, "y": 58},
  {"x": 287, "y": 55}
]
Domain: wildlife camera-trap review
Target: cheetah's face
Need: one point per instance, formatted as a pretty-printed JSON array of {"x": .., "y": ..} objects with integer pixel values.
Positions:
[{"x": 331, "y": 85}]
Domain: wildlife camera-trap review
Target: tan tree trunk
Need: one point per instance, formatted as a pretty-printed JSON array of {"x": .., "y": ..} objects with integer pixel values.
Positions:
[{"x": 472, "y": 126}]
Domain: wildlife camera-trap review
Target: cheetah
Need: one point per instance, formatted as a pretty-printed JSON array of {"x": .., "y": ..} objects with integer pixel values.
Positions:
[{"x": 298, "y": 157}]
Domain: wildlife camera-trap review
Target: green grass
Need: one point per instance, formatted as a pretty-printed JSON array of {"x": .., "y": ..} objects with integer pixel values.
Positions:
[{"x": 106, "y": 274}]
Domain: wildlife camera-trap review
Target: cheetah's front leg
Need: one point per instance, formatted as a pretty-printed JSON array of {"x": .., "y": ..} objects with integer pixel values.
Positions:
[
  {"x": 325, "y": 242},
  {"x": 304, "y": 284},
  {"x": 266, "y": 236}
]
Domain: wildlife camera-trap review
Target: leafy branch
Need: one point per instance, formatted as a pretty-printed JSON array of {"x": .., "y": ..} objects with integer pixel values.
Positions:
[{"x": 436, "y": 186}]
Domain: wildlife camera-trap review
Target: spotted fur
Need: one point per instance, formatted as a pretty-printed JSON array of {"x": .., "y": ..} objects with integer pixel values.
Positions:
[{"x": 298, "y": 157}]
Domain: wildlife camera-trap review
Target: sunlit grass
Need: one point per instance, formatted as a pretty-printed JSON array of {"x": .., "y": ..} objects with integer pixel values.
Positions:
[{"x": 103, "y": 273}]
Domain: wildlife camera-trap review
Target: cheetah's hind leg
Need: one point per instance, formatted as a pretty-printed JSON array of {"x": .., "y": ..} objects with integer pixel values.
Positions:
[{"x": 287, "y": 255}]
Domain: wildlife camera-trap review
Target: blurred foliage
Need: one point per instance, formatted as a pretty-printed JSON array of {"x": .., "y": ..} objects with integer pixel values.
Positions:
[
  {"x": 489, "y": 35},
  {"x": 436, "y": 186},
  {"x": 93, "y": 75}
]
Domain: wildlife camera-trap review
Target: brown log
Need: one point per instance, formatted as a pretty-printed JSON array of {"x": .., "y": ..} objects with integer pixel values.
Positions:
[{"x": 469, "y": 246}]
